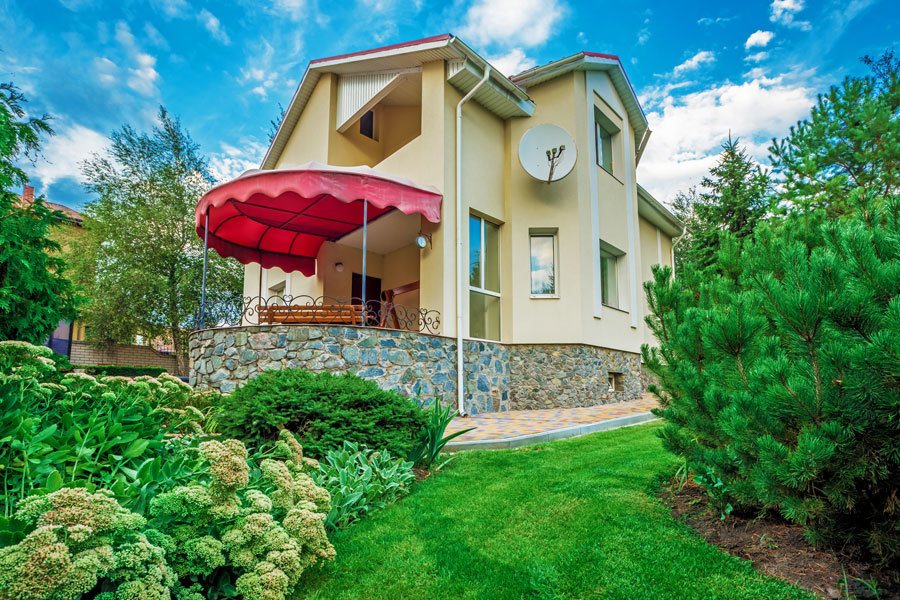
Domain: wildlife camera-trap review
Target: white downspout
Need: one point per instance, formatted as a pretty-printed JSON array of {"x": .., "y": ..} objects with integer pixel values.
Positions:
[{"x": 460, "y": 361}]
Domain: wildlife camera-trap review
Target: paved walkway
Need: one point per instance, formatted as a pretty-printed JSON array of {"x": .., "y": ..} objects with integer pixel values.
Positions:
[{"x": 520, "y": 427}]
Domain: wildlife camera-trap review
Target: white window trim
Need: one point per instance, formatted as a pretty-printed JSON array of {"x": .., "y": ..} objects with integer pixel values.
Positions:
[
  {"x": 481, "y": 289},
  {"x": 545, "y": 232}
]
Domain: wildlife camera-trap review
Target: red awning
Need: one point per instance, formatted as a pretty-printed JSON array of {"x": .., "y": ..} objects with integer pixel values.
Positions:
[{"x": 281, "y": 218}]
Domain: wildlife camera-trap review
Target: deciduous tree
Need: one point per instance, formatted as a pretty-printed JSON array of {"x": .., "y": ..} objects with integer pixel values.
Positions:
[{"x": 144, "y": 261}]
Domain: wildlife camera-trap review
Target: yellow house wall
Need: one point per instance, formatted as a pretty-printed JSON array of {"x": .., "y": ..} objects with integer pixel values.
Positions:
[
  {"x": 309, "y": 139},
  {"x": 421, "y": 145},
  {"x": 535, "y": 204}
]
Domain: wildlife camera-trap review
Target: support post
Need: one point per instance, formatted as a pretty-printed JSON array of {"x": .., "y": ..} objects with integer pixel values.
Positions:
[
  {"x": 365, "y": 309},
  {"x": 203, "y": 281}
]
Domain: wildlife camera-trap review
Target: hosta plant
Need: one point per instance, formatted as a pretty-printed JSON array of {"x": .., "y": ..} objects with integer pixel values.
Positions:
[
  {"x": 71, "y": 429},
  {"x": 360, "y": 481}
]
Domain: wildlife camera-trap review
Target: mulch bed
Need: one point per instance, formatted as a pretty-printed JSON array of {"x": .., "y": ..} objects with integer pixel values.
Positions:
[{"x": 777, "y": 548}]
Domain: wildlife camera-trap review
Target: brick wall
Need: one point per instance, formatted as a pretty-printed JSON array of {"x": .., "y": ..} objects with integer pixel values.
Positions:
[{"x": 84, "y": 353}]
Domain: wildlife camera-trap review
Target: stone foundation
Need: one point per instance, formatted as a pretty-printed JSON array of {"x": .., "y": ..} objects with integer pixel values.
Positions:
[
  {"x": 412, "y": 363},
  {"x": 567, "y": 375},
  {"x": 499, "y": 377}
]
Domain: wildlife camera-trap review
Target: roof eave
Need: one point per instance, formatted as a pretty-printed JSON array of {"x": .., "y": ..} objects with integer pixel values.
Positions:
[{"x": 654, "y": 211}]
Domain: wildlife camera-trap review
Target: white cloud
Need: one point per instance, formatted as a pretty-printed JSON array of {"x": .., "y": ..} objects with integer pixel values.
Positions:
[
  {"x": 172, "y": 8},
  {"x": 74, "y": 5},
  {"x": 231, "y": 161},
  {"x": 264, "y": 72},
  {"x": 213, "y": 26},
  {"x": 513, "y": 62},
  {"x": 63, "y": 153},
  {"x": 694, "y": 62},
  {"x": 785, "y": 12},
  {"x": 525, "y": 23},
  {"x": 759, "y": 38},
  {"x": 144, "y": 75},
  {"x": 107, "y": 71},
  {"x": 713, "y": 20},
  {"x": 292, "y": 9},
  {"x": 643, "y": 36},
  {"x": 155, "y": 37},
  {"x": 688, "y": 129},
  {"x": 756, "y": 56}
]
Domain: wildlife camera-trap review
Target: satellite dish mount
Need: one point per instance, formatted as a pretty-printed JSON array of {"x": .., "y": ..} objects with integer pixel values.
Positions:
[
  {"x": 554, "y": 155},
  {"x": 547, "y": 153}
]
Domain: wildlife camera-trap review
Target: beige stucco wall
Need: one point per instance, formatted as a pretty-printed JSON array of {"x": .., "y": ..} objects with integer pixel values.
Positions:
[{"x": 588, "y": 205}]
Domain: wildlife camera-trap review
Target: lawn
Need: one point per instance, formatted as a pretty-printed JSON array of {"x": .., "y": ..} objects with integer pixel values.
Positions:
[{"x": 570, "y": 519}]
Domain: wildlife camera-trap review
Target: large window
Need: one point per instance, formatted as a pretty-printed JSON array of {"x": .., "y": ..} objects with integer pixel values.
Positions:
[
  {"x": 609, "y": 278},
  {"x": 484, "y": 279},
  {"x": 543, "y": 246}
]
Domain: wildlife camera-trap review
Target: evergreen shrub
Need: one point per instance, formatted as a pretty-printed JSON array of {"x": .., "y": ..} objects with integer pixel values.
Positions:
[
  {"x": 323, "y": 410},
  {"x": 779, "y": 374}
]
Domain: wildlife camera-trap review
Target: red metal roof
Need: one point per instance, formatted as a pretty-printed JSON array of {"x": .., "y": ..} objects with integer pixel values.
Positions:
[
  {"x": 281, "y": 218},
  {"x": 427, "y": 40}
]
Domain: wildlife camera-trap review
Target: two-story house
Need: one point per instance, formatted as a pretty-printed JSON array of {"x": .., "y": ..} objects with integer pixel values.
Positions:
[{"x": 541, "y": 281}]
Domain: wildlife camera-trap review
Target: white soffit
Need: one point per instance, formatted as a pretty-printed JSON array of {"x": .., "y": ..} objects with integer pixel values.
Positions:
[{"x": 358, "y": 93}]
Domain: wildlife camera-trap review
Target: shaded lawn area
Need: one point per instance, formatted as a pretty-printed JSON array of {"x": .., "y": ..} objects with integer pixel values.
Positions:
[{"x": 570, "y": 519}]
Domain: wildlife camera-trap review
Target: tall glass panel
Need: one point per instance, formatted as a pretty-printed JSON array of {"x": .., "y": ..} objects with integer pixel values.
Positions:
[
  {"x": 491, "y": 256},
  {"x": 474, "y": 251}
]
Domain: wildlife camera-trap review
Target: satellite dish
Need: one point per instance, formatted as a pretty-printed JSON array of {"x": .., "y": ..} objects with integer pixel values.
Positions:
[{"x": 547, "y": 152}]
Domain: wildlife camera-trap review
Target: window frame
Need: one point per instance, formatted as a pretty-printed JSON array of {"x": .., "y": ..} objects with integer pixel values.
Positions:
[
  {"x": 480, "y": 289},
  {"x": 374, "y": 136},
  {"x": 611, "y": 131},
  {"x": 607, "y": 253},
  {"x": 551, "y": 232}
]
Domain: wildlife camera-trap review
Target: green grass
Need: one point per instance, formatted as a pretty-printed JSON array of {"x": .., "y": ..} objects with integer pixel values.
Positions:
[{"x": 570, "y": 519}]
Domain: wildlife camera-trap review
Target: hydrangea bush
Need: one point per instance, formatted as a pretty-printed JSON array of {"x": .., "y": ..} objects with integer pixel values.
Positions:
[{"x": 82, "y": 542}]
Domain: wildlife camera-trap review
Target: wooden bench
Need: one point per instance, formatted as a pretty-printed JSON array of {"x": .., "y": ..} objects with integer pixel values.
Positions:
[{"x": 329, "y": 314}]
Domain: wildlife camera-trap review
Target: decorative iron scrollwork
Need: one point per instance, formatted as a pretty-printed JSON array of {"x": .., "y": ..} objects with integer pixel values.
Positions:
[{"x": 328, "y": 310}]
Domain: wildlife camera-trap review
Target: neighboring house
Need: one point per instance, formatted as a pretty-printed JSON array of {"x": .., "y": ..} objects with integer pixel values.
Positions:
[
  {"x": 553, "y": 303},
  {"x": 66, "y": 235},
  {"x": 69, "y": 337}
]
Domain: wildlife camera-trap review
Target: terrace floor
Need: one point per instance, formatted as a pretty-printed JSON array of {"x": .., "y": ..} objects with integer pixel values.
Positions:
[{"x": 521, "y": 427}]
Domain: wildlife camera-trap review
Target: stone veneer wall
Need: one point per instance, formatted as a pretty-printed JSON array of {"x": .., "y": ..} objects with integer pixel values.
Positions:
[
  {"x": 410, "y": 362},
  {"x": 499, "y": 377},
  {"x": 567, "y": 375}
]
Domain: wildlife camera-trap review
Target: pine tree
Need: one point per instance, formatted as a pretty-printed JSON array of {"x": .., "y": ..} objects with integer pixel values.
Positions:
[
  {"x": 850, "y": 141},
  {"x": 733, "y": 198},
  {"x": 779, "y": 374}
]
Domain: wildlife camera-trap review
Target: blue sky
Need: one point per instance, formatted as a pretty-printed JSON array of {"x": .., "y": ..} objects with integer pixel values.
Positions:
[{"x": 702, "y": 70}]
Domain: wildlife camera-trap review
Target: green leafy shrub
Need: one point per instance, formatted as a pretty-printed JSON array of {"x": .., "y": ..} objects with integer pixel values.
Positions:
[
  {"x": 780, "y": 377},
  {"x": 121, "y": 370},
  {"x": 247, "y": 532},
  {"x": 71, "y": 429},
  {"x": 236, "y": 529},
  {"x": 432, "y": 440},
  {"x": 323, "y": 410},
  {"x": 82, "y": 543},
  {"x": 361, "y": 481}
]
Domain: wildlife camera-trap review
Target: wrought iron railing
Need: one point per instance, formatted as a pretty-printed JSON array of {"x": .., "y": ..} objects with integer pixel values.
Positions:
[{"x": 328, "y": 310}]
